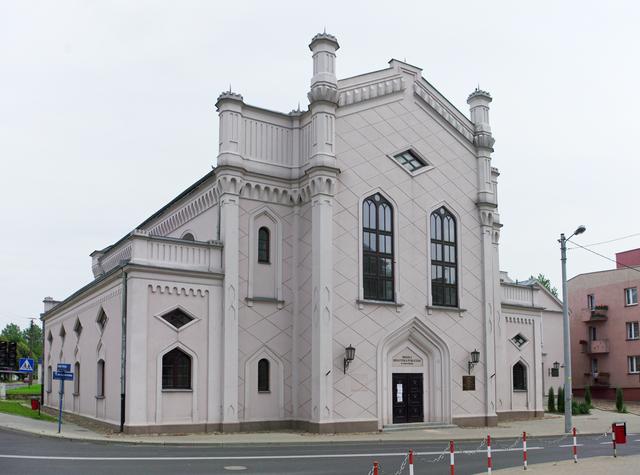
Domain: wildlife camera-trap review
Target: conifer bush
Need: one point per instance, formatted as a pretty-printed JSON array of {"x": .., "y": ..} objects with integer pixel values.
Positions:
[{"x": 551, "y": 401}]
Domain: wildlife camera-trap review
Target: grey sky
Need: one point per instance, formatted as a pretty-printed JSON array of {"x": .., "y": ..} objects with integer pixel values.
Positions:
[{"x": 107, "y": 112}]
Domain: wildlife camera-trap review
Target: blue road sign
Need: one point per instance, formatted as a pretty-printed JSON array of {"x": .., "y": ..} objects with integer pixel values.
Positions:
[
  {"x": 64, "y": 376},
  {"x": 25, "y": 365},
  {"x": 63, "y": 367}
]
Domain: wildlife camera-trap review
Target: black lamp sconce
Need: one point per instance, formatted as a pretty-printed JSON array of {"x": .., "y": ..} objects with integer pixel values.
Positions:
[
  {"x": 349, "y": 355},
  {"x": 475, "y": 358},
  {"x": 556, "y": 365}
]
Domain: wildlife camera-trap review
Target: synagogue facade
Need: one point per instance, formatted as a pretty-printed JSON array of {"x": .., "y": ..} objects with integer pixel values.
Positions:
[{"x": 338, "y": 270}]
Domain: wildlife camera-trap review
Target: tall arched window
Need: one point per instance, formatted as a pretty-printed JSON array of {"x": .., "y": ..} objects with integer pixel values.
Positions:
[
  {"x": 76, "y": 379},
  {"x": 100, "y": 387},
  {"x": 519, "y": 377},
  {"x": 444, "y": 258},
  {"x": 263, "y": 375},
  {"x": 377, "y": 248},
  {"x": 264, "y": 245},
  {"x": 176, "y": 370}
]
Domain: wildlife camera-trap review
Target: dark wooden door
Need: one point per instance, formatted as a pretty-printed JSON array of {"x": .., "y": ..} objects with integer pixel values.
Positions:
[{"x": 407, "y": 398}]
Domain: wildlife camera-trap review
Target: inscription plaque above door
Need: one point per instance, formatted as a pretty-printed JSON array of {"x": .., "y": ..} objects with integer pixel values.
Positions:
[{"x": 406, "y": 359}]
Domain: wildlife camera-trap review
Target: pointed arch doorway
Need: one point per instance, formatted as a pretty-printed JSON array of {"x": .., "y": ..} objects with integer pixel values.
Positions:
[{"x": 414, "y": 383}]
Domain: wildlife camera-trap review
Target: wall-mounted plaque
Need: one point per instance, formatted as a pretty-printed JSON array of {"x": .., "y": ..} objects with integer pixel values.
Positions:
[
  {"x": 468, "y": 383},
  {"x": 406, "y": 358}
]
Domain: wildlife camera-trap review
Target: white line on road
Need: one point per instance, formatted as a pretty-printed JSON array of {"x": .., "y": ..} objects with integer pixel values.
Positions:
[
  {"x": 250, "y": 457},
  {"x": 570, "y": 445}
]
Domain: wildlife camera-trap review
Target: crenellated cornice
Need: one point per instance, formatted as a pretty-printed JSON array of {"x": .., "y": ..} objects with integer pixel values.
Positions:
[
  {"x": 381, "y": 88},
  {"x": 435, "y": 104}
]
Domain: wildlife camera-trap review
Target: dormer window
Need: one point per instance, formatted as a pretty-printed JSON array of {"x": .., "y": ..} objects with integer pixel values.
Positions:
[{"x": 410, "y": 161}]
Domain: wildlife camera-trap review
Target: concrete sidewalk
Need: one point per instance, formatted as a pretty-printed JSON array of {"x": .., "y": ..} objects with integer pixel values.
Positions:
[
  {"x": 596, "y": 423},
  {"x": 591, "y": 466}
]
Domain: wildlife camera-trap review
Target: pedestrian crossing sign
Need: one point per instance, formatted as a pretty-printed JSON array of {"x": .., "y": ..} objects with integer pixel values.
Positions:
[{"x": 25, "y": 365}]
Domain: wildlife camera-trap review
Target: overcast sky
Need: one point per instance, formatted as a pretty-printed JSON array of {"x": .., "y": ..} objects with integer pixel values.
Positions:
[{"x": 107, "y": 112}]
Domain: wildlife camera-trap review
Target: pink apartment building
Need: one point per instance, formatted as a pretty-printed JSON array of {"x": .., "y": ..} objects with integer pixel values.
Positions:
[{"x": 605, "y": 336}]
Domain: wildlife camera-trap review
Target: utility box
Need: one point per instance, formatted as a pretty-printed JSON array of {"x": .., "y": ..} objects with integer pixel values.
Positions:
[{"x": 619, "y": 430}]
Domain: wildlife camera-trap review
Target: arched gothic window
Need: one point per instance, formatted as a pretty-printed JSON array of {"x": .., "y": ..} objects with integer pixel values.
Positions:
[
  {"x": 519, "y": 377},
  {"x": 444, "y": 258},
  {"x": 263, "y": 375},
  {"x": 264, "y": 245},
  {"x": 176, "y": 370},
  {"x": 377, "y": 248}
]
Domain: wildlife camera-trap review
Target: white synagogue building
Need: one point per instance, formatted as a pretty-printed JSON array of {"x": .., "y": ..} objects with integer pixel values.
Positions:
[{"x": 338, "y": 270}]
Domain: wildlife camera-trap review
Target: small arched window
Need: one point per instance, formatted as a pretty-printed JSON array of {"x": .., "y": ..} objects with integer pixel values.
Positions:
[
  {"x": 444, "y": 258},
  {"x": 76, "y": 379},
  {"x": 263, "y": 375},
  {"x": 188, "y": 237},
  {"x": 264, "y": 245},
  {"x": 519, "y": 377},
  {"x": 176, "y": 370},
  {"x": 100, "y": 374},
  {"x": 377, "y": 248}
]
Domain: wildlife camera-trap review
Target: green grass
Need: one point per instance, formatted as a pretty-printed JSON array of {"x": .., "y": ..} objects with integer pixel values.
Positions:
[
  {"x": 16, "y": 408},
  {"x": 33, "y": 390}
]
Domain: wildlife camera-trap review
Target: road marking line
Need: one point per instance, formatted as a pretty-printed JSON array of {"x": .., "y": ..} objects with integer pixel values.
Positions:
[
  {"x": 571, "y": 445},
  {"x": 606, "y": 443},
  {"x": 250, "y": 457}
]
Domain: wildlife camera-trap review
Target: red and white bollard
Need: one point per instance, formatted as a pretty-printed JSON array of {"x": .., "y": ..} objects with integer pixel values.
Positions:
[
  {"x": 613, "y": 439},
  {"x": 575, "y": 447},
  {"x": 375, "y": 468},
  {"x": 411, "y": 462},
  {"x": 524, "y": 449},
  {"x": 489, "y": 467},
  {"x": 452, "y": 457}
]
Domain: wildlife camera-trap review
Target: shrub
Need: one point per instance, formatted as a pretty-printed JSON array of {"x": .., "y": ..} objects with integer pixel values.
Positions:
[
  {"x": 620, "y": 401},
  {"x": 579, "y": 408},
  {"x": 551, "y": 401},
  {"x": 587, "y": 396},
  {"x": 561, "y": 399}
]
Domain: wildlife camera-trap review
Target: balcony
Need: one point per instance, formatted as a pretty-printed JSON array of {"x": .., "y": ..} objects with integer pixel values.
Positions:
[
  {"x": 597, "y": 314},
  {"x": 597, "y": 380},
  {"x": 155, "y": 251},
  {"x": 595, "y": 347}
]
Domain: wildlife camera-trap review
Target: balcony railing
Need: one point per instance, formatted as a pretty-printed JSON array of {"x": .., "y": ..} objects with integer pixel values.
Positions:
[
  {"x": 597, "y": 379},
  {"x": 598, "y": 346},
  {"x": 141, "y": 248},
  {"x": 597, "y": 314}
]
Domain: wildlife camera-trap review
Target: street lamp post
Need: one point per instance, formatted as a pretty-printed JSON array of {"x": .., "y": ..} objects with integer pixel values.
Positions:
[{"x": 568, "y": 397}]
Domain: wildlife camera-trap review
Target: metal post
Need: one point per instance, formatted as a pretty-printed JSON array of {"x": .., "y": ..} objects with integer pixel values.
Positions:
[
  {"x": 566, "y": 339},
  {"x": 60, "y": 411}
]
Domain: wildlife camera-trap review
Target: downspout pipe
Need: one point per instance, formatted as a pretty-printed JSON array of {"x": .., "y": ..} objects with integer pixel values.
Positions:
[
  {"x": 41, "y": 365},
  {"x": 123, "y": 351}
]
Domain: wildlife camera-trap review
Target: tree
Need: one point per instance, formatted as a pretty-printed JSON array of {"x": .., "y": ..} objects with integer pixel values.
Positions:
[
  {"x": 12, "y": 332},
  {"x": 32, "y": 336},
  {"x": 587, "y": 396},
  {"x": 620, "y": 407},
  {"x": 551, "y": 401},
  {"x": 546, "y": 283},
  {"x": 561, "y": 399}
]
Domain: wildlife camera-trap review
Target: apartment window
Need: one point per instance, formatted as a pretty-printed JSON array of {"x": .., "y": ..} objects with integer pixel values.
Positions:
[
  {"x": 263, "y": 375},
  {"x": 377, "y": 248},
  {"x": 592, "y": 334},
  {"x": 633, "y": 332},
  {"x": 631, "y": 296},
  {"x": 519, "y": 377},
  {"x": 591, "y": 302},
  {"x": 176, "y": 370},
  {"x": 264, "y": 245},
  {"x": 594, "y": 365},
  {"x": 444, "y": 281},
  {"x": 100, "y": 379},
  {"x": 410, "y": 161},
  {"x": 76, "y": 379},
  {"x": 634, "y": 364}
]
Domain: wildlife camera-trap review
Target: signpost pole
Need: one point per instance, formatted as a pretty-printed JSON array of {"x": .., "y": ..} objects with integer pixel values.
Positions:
[{"x": 60, "y": 412}]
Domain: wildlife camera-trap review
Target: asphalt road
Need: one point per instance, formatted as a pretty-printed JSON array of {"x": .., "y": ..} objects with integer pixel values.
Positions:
[{"x": 22, "y": 453}]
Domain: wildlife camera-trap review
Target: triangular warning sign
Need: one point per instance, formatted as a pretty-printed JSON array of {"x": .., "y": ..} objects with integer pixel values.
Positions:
[{"x": 26, "y": 366}]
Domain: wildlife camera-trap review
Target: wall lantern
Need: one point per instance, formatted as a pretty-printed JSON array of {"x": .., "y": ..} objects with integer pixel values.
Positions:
[
  {"x": 556, "y": 365},
  {"x": 475, "y": 358},
  {"x": 349, "y": 355}
]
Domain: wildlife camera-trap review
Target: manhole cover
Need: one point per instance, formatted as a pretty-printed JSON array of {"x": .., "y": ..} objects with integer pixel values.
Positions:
[{"x": 235, "y": 467}]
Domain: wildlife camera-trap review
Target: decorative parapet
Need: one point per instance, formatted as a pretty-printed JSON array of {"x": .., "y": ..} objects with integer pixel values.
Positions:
[
  {"x": 433, "y": 102},
  {"x": 144, "y": 249},
  {"x": 371, "y": 91}
]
